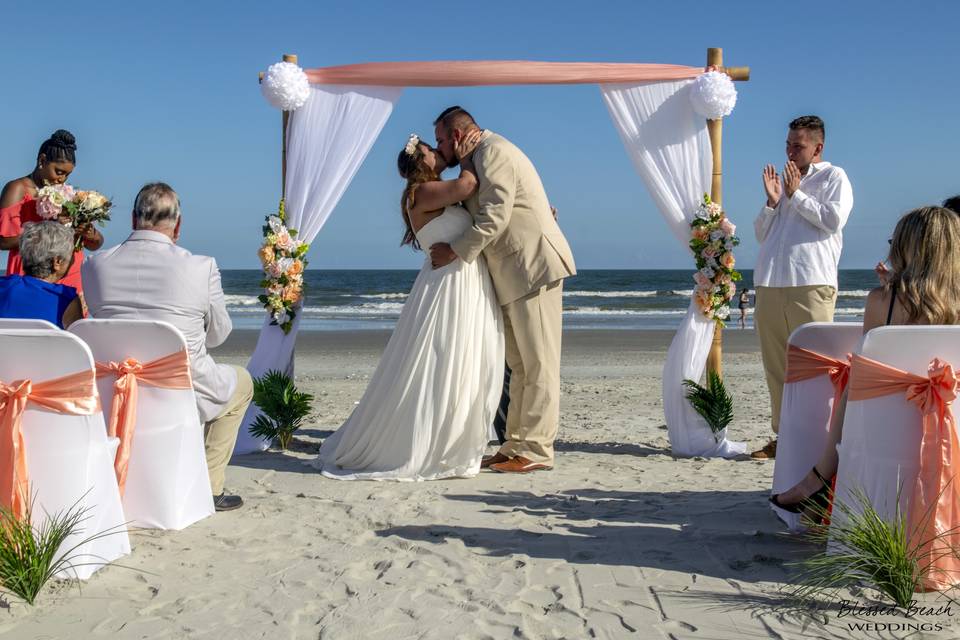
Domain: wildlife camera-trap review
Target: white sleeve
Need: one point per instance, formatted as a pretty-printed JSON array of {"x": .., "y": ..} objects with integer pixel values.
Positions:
[{"x": 217, "y": 320}]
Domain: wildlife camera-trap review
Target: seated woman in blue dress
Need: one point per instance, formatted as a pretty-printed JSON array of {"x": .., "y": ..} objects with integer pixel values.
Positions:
[{"x": 47, "y": 251}]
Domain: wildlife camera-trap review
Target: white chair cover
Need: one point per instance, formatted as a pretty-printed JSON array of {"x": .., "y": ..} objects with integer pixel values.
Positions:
[
  {"x": 880, "y": 451},
  {"x": 24, "y": 323},
  {"x": 167, "y": 483},
  {"x": 806, "y": 409},
  {"x": 69, "y": 458}
]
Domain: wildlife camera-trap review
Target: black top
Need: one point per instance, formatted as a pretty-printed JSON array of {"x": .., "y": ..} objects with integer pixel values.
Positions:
[{"x": 893, "y": 299}]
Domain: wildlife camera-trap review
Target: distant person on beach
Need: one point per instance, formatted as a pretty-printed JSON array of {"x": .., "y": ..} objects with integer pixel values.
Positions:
[
  {"x": 800, "y": 231},
  {"x": 149, "y": 277},
  {"x": 744, "y": 303}
]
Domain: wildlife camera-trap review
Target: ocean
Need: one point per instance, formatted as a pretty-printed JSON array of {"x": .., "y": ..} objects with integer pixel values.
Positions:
[{"x": 340, "y": 300}]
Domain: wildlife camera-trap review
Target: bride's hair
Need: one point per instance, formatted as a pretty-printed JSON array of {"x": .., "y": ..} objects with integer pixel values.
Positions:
[
  {"x": 415, "y": 172},
  {"x": 925, "y": 260}
]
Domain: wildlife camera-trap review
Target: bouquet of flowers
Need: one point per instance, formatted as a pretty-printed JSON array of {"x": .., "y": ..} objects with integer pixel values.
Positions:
[
  {"x": 712, "y": 241},
  {"x": 82, "y": 207},
  {"x": 283, "y": 260}
]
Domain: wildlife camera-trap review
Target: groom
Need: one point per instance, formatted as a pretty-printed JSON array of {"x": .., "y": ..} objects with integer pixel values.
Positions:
[{"x": 528, "y": 258}]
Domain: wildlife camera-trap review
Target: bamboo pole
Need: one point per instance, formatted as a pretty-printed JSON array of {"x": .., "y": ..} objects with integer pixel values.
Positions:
[
  {"x": 715, "y": 129},
  {"x": 287, "y": 57}
]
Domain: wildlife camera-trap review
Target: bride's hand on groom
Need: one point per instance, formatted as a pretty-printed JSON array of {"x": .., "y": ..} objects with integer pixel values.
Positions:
[
  {"x": 441, "y": 255},
  {"x": 466, "y": 145}
]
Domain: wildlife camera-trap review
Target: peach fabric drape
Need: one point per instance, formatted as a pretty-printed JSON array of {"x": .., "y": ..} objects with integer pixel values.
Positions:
[
  {"x": 935, "y": 505},
  {"x": 74, "y": 394},
  {"x": 168, "y": 372},
  {"x": 496, "y": 72}
]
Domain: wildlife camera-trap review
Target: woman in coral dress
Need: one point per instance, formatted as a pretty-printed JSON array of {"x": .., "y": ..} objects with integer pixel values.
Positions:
[{"x": 18, "y": 206}]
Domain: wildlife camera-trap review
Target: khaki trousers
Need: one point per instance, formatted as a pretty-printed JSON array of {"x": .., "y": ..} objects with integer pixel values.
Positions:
[
  {"x": 780, "y": 310},
  {"x": 532, "y": 328},
  {"x": 220, "y": 434}
]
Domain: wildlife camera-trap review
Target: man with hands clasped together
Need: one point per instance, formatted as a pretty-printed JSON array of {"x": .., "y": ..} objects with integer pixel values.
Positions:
[{"x": 800, "y": 231}]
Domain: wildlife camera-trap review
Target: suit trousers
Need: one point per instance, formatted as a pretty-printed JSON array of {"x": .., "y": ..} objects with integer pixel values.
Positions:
[
  {"x": 532, "y": 328},
  {"x": 220, "y": 434},
  {"x": 779, "y": 311}
]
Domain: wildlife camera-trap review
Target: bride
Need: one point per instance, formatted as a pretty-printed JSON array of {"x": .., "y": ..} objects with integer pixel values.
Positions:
[{"x": 427, "y": 411}]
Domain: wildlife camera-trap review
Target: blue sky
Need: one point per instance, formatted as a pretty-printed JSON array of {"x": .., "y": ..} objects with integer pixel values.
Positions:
[{"x": 168, "y": 91}]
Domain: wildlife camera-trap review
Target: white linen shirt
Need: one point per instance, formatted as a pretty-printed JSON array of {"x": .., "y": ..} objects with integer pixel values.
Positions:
[
  {"x": 801, "y": 239},
  {"x": 148, "y": 277}
]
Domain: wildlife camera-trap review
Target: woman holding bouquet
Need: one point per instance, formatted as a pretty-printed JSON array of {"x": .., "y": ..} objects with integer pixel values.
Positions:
[{"x": 18, "y": 204}]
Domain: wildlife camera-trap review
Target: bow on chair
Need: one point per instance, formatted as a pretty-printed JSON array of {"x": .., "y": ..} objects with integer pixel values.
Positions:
[
  {"x": 168, "y": 372},
  {"x": 935, "y": 502},
  {"x": 74, "y": 394}
]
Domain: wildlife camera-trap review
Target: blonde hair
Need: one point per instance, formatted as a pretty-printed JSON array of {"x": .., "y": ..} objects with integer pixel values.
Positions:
[{"x": 925, "y": 265}]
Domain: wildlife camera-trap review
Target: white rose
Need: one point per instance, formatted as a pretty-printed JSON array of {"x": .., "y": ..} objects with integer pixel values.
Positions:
[
  {"x": 723, "y": 312},
  {"x": 716, "y": 235},
  {"x": 275, "y": 223},
  {"x": 708, "y": 272}
]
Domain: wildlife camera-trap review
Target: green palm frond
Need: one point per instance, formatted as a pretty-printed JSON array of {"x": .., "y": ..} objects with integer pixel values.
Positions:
[
  {"x": 713, "y": 402},
  {"x": 283, "y": 407}
]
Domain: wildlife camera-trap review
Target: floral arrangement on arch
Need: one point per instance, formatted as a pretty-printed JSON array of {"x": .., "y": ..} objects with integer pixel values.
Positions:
[
  {"x": 82, "y": 207},
  {"x": 712, "y": 241},
  {"x": 283, "y": 259}
]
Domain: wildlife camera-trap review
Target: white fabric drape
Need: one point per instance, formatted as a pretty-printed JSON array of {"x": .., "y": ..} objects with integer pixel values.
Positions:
[
  {"x": 670, "y": 148},
  {"x": 327, "y": 140}
]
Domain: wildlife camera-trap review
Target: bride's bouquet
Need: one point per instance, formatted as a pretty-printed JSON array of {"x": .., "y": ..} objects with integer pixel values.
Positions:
[
  {"x": 82, "y": 207},
  {"x": 712, "y": 241},
  {"x": 284, "y": 260}
]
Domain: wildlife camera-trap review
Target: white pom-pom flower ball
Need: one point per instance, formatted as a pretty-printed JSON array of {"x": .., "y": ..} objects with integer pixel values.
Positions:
[
  {"x": 713, "y": 95},
  {"x": 285, "y": 86}
]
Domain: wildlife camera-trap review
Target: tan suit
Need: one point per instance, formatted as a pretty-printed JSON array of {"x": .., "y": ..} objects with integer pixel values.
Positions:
[{"x": 528, "y": 258}]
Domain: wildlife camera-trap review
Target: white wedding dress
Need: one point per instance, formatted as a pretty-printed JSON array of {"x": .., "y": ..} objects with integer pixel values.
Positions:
[{"x": 427, "y": 411}]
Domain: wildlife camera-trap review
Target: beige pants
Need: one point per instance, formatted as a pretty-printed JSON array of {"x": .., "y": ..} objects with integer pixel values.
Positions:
[
  {"x": 780, "y": 310},
  {"x": 220, "y": 434},
  {"x": 532, "y": 328}
]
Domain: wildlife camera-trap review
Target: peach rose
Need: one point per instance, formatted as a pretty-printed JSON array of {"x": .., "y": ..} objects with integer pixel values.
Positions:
[
  {"x": 266, "y": 254},
  {"x": 291, "y": 294},
  {"x": 727, "y": 260},
  {"x": 700, "y": 233},
  {"x": 295, "y": 268}
]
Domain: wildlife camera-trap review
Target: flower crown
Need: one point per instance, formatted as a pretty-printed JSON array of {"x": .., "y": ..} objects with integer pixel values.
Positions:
[{"x": 411, "y": 146}]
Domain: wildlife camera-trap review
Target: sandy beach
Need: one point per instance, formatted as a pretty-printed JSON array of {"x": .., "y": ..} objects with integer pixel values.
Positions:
[{"x": 620, "y": 540}]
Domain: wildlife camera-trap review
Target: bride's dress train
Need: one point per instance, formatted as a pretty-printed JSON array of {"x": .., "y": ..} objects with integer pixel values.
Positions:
[{"x": 427, "y": 411}]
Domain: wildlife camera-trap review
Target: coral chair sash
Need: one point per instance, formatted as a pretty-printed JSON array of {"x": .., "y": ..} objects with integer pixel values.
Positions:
[
  {"x": 803, "y": 364},
  {"x": 168, "y": 372},
  {"x": 75, "y": 394},
  {"x": 935, "y": 506}
]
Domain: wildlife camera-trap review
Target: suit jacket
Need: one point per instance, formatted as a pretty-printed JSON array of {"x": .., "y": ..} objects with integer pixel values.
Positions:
[
  {"x": 512, "y": 223},
  {"x": 148, "y": 277}
]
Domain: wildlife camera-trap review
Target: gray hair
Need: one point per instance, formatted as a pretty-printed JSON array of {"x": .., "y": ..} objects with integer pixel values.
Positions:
[
  {"x": 41, "y": 243},
  {"x": 157, "y": 205}
]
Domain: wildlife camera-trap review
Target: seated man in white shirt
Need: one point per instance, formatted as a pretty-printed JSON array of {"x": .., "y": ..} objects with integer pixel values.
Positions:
[
  {"x": 149, "y": 277},
  {"x": 800, "y": 231}
]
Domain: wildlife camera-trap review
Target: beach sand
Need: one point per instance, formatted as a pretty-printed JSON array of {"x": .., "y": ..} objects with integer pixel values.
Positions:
[{"x": 619, "y": 540}]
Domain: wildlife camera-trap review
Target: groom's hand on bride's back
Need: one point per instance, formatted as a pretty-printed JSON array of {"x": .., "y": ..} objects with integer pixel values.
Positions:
[{"x": 441, "y": 255}]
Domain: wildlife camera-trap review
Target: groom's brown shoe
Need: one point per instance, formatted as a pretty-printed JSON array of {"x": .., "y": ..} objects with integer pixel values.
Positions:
[
  {"x": 496, "y": 458},
  {"x": 519, "y": 464}
]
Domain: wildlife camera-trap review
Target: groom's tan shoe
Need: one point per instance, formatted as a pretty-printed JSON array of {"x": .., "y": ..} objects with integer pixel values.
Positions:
[
  {"x": 520, "y": 464},
  {"x": 496, "y": 458}
]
